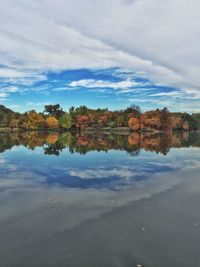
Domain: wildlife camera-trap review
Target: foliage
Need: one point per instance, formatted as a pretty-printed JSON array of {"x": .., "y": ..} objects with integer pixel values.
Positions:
[
  {"x": 165, "y": 119},
  {"x": 54, "y": 110},
  {"x": 6, "y": 115},
  {"x": 133, "y": 109},
  {"x": 134, "y": 123},
  {"x": 83, "y": 117},
  {"x": 52, "y": 138},
  {"x": 66, "y": 121},
  {"x": 120, "y": 121},
  {"x": 52, "y": 122},
  {"x": 32, "y": 120},
  {"x": 54, "y": 142}
]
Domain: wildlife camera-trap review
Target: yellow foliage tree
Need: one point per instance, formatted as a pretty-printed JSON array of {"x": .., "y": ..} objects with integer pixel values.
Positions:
[{"x": 32, "y": 120}]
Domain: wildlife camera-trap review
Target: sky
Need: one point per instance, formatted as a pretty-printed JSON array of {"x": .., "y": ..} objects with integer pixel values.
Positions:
[{"x": 108, "y": 53}]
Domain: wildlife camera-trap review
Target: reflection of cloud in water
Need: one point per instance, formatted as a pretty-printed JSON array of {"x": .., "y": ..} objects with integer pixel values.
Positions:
[
  {"x": 102, "y": 173},
  {"x": 71, "y": 206},
  {"x": 30, "y": 189},
  {"x": 108, "y": 175},
  {"x": 38, "y": 207},
  {"x": 11, "y": 176},
  {"x": 2, "y": 160},
  {"x": 20, "y": 179}
]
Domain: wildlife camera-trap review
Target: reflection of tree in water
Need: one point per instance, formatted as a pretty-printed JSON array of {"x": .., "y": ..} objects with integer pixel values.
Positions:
[
  {"x": 165, "y": 143},
  {"x": 5, "y": 142},
  {"x": 54, "y": 149},
  {"x": 54, "y": 142},
  {"x": 134, "y": 153}
]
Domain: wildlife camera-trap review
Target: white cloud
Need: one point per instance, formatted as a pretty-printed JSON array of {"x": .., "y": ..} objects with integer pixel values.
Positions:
[
  {"x": 11, "y": 89},
  {"x": 8, "y": 89},
  {"x": 90, "y": 83},
  {"x": 158, "y": 39},
  {"x": 5, "y": 91},
  {"x": 172, "y": 94},
  {"x": 2, "y": 95},
  {"x": 64, "y": 89}
]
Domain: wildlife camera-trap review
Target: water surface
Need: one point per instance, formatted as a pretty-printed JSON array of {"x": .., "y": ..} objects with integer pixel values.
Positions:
[{"x": 99, "y": 200}]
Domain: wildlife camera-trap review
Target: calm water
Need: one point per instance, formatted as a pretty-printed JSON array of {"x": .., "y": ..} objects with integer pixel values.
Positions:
[{"x": 99, "y": 201}]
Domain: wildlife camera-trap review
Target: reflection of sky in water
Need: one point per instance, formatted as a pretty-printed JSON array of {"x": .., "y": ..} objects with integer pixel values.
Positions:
[
  {"x": 43, "y": 198},
  {"x": 52, "y": 207},
  {"x": 114, "y": 170}
]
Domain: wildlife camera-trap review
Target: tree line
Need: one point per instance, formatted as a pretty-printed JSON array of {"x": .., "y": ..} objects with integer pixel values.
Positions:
[{"x": 79, "y": 118}]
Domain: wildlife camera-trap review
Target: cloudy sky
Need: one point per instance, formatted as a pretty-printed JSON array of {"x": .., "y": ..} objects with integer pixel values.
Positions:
[{"x": 108, "y": 53}]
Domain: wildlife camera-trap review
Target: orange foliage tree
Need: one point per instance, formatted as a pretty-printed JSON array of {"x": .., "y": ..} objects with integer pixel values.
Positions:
[
  {"x": 52, "y": 122},
  {"x": 134, "y": 123}
]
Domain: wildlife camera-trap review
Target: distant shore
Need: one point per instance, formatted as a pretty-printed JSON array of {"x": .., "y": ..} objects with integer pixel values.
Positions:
[{"x": 84, "y": 119}]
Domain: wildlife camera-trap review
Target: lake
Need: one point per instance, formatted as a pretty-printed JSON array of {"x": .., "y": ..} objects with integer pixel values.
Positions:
[{"x": 85, "y": 200}]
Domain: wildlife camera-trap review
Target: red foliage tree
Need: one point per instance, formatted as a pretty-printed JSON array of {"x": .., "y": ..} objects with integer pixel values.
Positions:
[{"x": 82, "y": 121}]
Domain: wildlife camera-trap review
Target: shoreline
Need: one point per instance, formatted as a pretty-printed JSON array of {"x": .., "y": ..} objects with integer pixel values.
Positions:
[{"x": 90, "y": 130}]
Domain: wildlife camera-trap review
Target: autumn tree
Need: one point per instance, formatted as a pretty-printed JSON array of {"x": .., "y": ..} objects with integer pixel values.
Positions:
[
  {"x": 134, "y": 123},
  {"x": 52, "y": 122},
  {"x": 186, "y": 126},
  {"x": 176, "y": 122},
  {"x": 165, "y": 119},
  {"x": 14, "y": 123},
  {"x": 82, "y": 121},
  {"x": 31, "y": 120},
  {"x": 102, "y": 121},
  {"x": 150, "y": 120}
]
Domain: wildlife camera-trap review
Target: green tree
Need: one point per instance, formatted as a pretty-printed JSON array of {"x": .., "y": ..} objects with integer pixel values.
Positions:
[
  {"x": 194, "y": 121},
  {"x": 82, "y": 110},
  {"x": 53, "y": 110},
  {"x": 71, "y": 109},
  {"x": 120, "y": 121},
  {"x": 134, "y": 109},
  {"x": 66, "y": 121}
]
